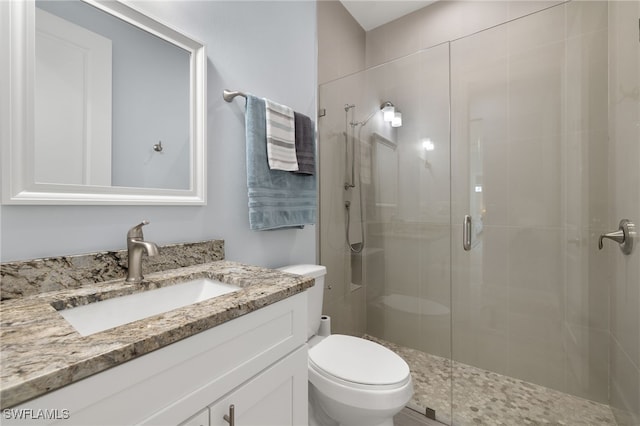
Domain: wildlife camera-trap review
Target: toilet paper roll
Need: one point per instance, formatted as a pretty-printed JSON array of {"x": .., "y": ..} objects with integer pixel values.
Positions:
[{"x": 325, "y": 326}]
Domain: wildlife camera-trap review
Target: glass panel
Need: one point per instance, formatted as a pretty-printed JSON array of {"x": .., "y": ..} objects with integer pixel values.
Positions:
[
  {"x": 530, "y": 341},
  {"x": 404, "y": 173}
]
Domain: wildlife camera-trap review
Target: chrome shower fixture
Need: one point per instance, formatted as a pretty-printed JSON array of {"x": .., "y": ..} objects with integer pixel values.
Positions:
[{"x": 390, "y": 114}]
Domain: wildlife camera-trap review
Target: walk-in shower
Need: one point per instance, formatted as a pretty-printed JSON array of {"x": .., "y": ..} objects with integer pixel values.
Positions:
[{"x": 520, "y": 319}]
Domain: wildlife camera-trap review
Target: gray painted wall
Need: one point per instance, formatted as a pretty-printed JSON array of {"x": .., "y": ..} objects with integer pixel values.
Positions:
[{"x": 266, "y": 48}]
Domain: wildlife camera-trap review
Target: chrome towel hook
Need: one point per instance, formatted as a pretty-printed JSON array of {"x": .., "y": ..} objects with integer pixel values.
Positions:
[{"x": 623, "y": 236}]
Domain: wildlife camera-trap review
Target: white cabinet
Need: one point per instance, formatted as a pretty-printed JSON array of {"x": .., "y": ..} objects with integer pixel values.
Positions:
[
  {"x": 200, "y": 419},
  {"x": 256, "y": 362},
  {"x": 275, "y": 397}
]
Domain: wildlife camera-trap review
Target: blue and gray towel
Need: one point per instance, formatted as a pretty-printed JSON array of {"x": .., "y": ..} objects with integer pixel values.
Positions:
[{"x": 277, "y": 198}]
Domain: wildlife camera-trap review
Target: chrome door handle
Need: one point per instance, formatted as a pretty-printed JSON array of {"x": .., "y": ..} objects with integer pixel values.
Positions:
[
  {"x": 623, "y": 236},
  {"x": 466, "y": 233}
]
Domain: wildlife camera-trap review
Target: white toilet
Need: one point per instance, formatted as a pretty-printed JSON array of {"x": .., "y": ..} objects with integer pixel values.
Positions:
[{"x": 352, "y": 381}]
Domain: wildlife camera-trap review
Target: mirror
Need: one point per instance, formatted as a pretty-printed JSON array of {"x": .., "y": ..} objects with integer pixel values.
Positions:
[{"x": 107, "y": 106}]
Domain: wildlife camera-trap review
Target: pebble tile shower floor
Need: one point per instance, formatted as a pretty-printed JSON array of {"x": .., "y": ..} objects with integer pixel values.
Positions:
[{"x": 483, "y": 397}]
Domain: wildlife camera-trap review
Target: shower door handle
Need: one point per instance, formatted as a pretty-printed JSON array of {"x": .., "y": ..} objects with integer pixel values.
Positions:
[{"x": 466, "y": 233}]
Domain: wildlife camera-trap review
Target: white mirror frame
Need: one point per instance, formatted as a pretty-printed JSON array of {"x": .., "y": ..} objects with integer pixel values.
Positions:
[{"x": 17, "y": 50}]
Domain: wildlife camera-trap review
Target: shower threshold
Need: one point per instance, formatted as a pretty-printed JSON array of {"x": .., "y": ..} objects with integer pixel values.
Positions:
[{"x": 488, "y": 398}]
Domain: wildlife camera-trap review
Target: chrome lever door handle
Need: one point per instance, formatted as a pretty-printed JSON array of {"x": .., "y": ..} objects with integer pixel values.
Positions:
[
  {"x": 623, "y": 236},
  {"x": 466, "y": 233}
]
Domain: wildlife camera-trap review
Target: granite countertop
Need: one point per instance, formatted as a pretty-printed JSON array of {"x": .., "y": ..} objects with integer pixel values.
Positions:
[{"x": 41, "y": 352}]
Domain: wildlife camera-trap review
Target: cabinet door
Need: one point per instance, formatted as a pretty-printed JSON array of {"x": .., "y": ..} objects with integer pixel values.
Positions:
[{"x": 275, "y": 397}]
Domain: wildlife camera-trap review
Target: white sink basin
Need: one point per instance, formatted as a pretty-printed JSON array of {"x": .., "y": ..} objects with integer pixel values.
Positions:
[{"x": 100, "y": 316}]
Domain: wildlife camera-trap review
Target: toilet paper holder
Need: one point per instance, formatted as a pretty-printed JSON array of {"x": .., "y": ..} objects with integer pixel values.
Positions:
[{"x": 325, "y": 326}]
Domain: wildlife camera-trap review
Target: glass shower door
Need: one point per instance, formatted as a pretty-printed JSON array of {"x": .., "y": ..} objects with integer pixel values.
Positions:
[
  {"x": 408, "y": 222},
  {"x": 529, "y": 121}
]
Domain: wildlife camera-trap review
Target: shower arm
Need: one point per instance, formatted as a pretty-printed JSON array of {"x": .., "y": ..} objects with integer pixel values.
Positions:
[
  {"x": 363, "y": 122},
  {"x": 366, "y": 120}
]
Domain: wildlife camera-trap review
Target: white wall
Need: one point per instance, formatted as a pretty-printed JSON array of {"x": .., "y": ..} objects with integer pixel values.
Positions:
[{"x": 266, "y": 48}]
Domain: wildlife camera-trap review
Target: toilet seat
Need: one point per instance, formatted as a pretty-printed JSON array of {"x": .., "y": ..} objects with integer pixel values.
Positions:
[
  {"x": 358, "y": 363},
  {"x": 338, "y": 366}
]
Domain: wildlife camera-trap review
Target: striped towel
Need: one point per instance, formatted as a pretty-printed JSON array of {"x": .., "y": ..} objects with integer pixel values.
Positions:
[{"x": 281, "y": 137}]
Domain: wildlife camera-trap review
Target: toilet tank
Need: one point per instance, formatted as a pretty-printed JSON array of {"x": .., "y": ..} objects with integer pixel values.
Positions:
[{"x": 315, "y": 294}]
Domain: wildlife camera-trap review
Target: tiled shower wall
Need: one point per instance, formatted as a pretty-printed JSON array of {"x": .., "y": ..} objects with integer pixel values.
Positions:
[{"x": 624, "y": 202}]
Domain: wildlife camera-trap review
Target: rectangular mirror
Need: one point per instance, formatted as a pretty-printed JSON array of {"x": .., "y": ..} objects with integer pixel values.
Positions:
[{"x": 107, "y": 106}]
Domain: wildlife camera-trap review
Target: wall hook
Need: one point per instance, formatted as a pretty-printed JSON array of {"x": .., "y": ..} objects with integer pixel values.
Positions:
[{"x": 158, "y": 147}]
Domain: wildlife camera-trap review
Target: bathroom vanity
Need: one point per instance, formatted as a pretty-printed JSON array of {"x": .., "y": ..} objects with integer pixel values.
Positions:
[{"x": 245, "y": 349}]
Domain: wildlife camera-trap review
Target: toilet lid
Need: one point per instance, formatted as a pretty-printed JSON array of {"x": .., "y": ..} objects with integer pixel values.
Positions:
[{"x": 358, "y": 361}]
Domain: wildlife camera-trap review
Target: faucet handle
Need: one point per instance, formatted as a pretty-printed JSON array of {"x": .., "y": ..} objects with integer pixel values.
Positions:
[{"x": 136, "y": 231}]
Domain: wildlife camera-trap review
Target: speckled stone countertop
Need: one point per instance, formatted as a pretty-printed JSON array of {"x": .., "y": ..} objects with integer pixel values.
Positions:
[
  {"x": 28, "y": 277},
  {"x": 41, "y": 352}
]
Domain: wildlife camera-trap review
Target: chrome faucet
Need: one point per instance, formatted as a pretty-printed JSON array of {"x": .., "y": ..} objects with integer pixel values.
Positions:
[{"x": 135, "y": 246}]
